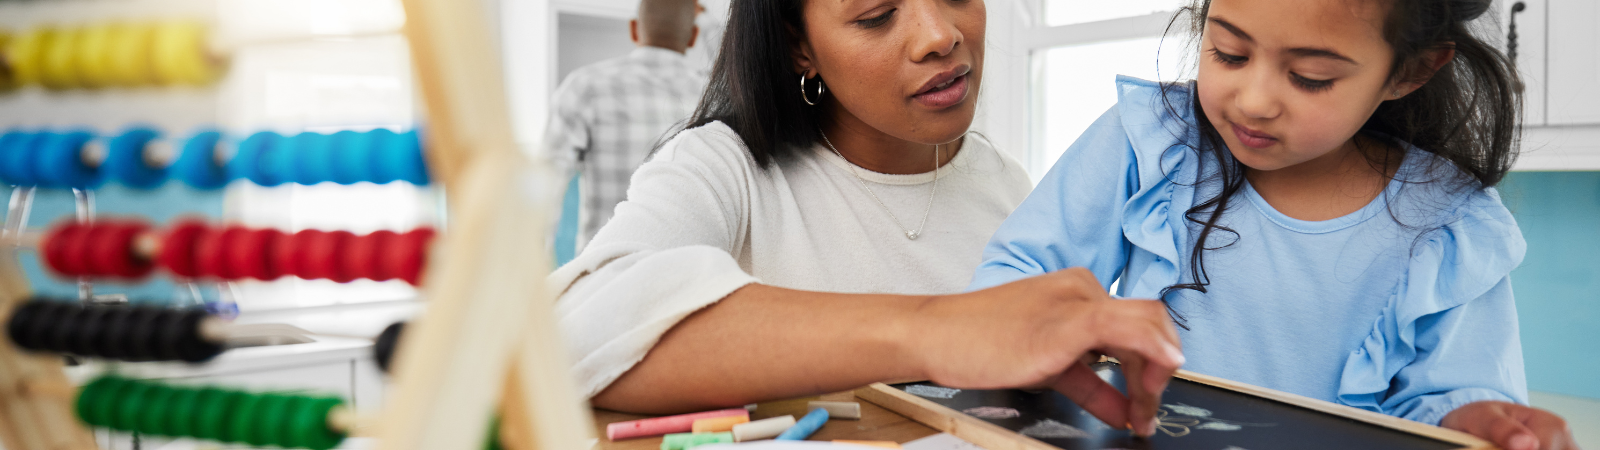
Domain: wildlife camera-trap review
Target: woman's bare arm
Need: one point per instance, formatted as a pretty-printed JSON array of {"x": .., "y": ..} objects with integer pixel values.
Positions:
[{"x": 762, "y": 343}]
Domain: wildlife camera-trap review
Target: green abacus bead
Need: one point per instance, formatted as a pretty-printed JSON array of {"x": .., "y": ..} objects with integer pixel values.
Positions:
[
  {"x": 131, "y": 404},
  {"x": 241, "y": 424},
  {"x": 309, "y": 426},
  {"x": 211, "y": 417},
  {"x": 154, "y": 419},
  {"x": 271, "y": 415},
  {"x": 91, "y": 400},
  {"x": 180, "y": 416}
]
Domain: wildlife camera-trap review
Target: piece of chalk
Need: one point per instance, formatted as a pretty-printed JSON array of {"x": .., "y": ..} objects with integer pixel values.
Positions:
[
  {"x": 658, "y": 426},
  {"x": 838, "y": 410},
  {"x": 878, "y": 444},
  {"x": 762, "y": 429},
  {"x": 806, "y": 426},
  {"x": 718, "y": 424},
  {"x": 685, "y": 441}
]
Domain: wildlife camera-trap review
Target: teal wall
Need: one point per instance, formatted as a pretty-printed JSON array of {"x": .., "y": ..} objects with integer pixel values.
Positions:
[
  {"x": 1558, "y": 285},
  {"x": 159, "y": 207}
]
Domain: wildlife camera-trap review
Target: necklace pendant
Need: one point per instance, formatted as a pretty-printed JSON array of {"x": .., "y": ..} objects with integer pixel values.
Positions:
[{"x": 912, "y": 235}]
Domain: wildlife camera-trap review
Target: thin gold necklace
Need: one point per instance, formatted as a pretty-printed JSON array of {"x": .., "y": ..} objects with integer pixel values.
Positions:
[{"x": 910, "y": 233}]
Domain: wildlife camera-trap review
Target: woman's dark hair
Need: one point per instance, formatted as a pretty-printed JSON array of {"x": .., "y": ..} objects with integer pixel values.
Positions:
[
  {"x": 754, "y": 88},
  {"x": 1467, "y": 113}
]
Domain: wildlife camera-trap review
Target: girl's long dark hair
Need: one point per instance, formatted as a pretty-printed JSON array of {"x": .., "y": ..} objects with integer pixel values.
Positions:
[
  {"x": 753, "y": 87},
  {"x": 1468, "y": 113}
]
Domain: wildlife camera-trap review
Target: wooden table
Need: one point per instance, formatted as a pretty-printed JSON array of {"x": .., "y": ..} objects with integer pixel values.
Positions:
[{"x": 876, "y": 424}]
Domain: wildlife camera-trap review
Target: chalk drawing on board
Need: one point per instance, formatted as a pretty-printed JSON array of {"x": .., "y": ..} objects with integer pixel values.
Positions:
[
  {"x": 1050, "y": 429},
  {"x": 932, "y": 391},
  {"x": 992, "y": 412},
  {"x": 1179, "y": 420}
]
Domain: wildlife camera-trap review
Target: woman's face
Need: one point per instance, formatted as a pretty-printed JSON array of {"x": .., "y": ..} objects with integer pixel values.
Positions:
[
  {"x": 1288, "y": 82},
  {"x": 908, "y": 68}
]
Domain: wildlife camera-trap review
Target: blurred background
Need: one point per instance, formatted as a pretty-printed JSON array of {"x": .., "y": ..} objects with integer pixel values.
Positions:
[{"x": 295, "y": 66}]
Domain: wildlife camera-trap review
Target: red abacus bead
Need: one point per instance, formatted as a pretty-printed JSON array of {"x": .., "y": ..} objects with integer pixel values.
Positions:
[
  {"x": 211, "y": 252},
  {"x": 285, "y": 255},
  {"x": 111, "y": 250},
  {"x": 74, "y": 252},
  {"x": 322, "y": 257},
  {"x": 362, "y": 255},
  {"x": 54, "y": 246},
  {"x": 410, "y": 255},
  {"x": 249, "y": 253},
  {"x": 177, "y": 248}
]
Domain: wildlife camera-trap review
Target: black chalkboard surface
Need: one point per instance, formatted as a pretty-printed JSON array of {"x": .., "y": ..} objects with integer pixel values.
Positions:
[{"x": 1194, "y": 415}]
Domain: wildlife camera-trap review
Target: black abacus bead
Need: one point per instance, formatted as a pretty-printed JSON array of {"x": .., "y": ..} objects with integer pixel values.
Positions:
[
  {"x": 193, "y": 347},
  {"x": 142, "y": 334},
  {"x": 37, "y": 336},
  {"x": 388, "y": 340},
  {"x": 86, "y": 336},
  {"x": 21, "y": 321},
  {"x": 168, "y": 335},
  {"x": 114, "y": 339},
  {"x": 68, "y": 321}
]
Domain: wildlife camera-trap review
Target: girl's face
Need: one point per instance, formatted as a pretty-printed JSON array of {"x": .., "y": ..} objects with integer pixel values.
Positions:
[
  {"x": 908, "y": 68},
  {"x": 1286, "y": 82}
]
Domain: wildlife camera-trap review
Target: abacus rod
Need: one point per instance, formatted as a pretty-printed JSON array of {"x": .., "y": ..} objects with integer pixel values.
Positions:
[
  {"x": 17, "y": 211},
  {"x": 156, "y": 153}
]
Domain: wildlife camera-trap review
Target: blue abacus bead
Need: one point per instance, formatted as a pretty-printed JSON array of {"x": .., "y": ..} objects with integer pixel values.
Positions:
[
  {"x": 125, "y": 160},
  {"x": 313, "y": 158},
  {"x": 249, "y": 162},
  {"x": 278, "y": 161},
  {"x": 350, "y": 152},
  {"x": 413, "y": 168},
  {"x": 384, "y": 144},
  {"x": 197, "y": 164},
  {"x": 15, "y": 166},
  {"x": 60, "y": 161}
]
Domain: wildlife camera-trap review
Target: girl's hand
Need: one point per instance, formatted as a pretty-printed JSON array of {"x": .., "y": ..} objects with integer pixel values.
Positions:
[
  {"x": 1045, "y": 331},
  {"x": 1512, "y": 426}
]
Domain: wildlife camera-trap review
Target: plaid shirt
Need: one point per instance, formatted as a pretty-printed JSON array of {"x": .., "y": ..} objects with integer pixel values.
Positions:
[{"x": 609, "y": 116}]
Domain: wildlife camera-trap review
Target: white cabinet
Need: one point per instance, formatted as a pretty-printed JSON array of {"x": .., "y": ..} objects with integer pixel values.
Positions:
[{"x": 1573, "y": 62}]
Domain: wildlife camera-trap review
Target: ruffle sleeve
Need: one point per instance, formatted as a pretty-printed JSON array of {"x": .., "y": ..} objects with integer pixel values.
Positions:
[
  {"x": 1448, "y": 335},
  {"x": 1114, "y": 186},
  {"x": 1159, "y": 123}
]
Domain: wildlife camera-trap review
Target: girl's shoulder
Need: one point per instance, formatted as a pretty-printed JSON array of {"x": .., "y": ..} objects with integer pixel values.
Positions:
[{"x": 713, "y": 144}]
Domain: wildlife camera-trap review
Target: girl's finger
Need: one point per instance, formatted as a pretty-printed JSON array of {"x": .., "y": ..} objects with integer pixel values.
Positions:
[{"x": 1084, "y": 387}]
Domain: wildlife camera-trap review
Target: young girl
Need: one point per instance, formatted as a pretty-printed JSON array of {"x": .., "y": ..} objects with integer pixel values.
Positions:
[{"x": 1316, "y": 210}]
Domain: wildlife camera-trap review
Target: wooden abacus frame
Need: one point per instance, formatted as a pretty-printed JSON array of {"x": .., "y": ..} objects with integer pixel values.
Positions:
[
  {"x": 488, "y": 340},
  {"x": 995, "y": 437}
]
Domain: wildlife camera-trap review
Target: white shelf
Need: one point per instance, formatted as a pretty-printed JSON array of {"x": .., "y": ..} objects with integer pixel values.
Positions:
[{"x": 1560, "y": 148}]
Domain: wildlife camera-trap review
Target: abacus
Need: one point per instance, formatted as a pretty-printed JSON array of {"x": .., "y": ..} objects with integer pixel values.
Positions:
[{"x": 486, "y": 347}]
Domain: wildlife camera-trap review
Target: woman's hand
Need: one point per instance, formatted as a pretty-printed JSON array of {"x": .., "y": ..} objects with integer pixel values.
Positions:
[
  {"x": 1511, "y": 426},
  {"x": 1045, "y": 331}
]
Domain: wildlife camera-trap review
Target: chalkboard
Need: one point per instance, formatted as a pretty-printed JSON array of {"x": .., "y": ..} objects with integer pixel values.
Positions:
[{"x": 1197, "y": 412}]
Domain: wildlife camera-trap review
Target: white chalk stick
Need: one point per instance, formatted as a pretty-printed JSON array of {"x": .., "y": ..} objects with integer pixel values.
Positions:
[
  {"x": 767, "y": 428},
  {"x": 838, "y": 410}
]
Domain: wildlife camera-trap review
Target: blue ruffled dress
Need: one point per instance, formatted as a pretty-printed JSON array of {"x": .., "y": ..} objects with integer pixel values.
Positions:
[{"x": 1403, "y": 307}]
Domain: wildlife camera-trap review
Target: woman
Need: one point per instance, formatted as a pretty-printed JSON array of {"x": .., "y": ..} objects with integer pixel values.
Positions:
[{"x": 710, "y": 286}]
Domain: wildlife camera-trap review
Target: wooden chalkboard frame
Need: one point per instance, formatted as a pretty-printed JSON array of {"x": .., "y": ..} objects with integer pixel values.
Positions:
[{"x": 995, "y": 437}]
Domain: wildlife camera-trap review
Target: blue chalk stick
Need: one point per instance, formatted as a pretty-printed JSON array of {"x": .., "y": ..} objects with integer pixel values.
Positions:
[{"x": 806, "y": 426}]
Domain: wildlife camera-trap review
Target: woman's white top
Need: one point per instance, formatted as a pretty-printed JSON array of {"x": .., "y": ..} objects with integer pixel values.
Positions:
[{"x": 702, "y": 220}]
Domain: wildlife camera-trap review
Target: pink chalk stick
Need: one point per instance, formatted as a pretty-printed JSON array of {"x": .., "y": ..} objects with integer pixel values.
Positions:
[{"x": 658, "y": 426}]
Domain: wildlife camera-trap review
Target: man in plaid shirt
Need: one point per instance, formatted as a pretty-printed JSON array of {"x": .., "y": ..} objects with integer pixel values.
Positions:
[{"x": 608, "y": 116}]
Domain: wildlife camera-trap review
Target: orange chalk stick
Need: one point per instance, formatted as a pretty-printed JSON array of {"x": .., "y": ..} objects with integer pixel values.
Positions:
[
  {"x": 718, "y": 424},
  {"x": 878, "y": 444}
]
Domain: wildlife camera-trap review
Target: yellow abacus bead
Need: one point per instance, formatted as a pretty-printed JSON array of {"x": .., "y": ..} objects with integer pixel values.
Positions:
[
  {"x": 7, "y": 80},
  {"x": 180, "y": 54},
  {"x": 91, "y": 59},
  {"x": 57, "y": 69},
  {"x": 25, "y": 55},
  {"x": 128, "y": 55}
]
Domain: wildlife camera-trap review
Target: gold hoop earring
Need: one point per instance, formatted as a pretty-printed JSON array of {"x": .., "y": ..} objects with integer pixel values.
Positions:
[{"x": 820, "y": 89}]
